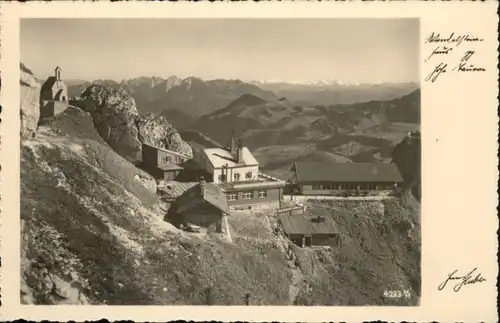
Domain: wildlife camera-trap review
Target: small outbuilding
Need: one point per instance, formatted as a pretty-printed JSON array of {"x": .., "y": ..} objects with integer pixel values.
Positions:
[
  {"x": 163, "y": 164},
  {"x": 307, "y": 231},
  {"x": 203, "y": 205}
]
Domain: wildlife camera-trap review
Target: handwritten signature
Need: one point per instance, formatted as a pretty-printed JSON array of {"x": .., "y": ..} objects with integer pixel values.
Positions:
[
  {"x": 463, "y": 280},
  {"x": 464, "y": 65}
]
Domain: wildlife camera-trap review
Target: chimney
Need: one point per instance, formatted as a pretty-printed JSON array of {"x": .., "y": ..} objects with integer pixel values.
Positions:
[
  {"x": 232, "y": 143},
  {"x": 202, "y": 186},
  {"x": 239, "y": 152}
]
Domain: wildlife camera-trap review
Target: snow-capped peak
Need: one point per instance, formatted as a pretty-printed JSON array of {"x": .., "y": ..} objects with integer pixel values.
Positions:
[{"x": 312, "y": 83}]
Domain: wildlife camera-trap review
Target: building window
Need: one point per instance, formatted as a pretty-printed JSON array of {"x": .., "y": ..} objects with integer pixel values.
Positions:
[
  {"x": 262, "y": 194},
  {"x": 167, "y": 159},
  {"x": 222, "y": 178},
  {"x": 341, "y": 187},
  {"x": 248, "y": 175},
  {"x": 232, "y": 197},
  {"x": 316, "y": 186},
  {"x": 247, "y": 195},
  {"x": 236, "y": 176}
]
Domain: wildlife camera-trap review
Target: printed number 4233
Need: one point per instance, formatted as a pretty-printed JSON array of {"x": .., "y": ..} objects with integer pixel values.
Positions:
[{"x": 397, "y": 294}]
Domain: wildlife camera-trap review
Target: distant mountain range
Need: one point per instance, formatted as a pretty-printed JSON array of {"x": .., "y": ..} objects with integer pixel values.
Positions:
[
  {"x": 312, "y": 83},
  {"x": 183, "y": 100},
  {"x": 331, "y": 92},
  {"x": 192, "y": 96}
]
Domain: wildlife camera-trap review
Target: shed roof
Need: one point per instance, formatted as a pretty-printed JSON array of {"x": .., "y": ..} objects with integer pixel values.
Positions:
[
  {"x": 167, "y": 151},
  {"x": 212, "y": 194},
  {"x": 299, "y": 224},
  {"x": 191, "y": 164},
  {"x": 346, "y": 172},
  {"x": 170, "y": 167},
  {"x": 175, "y": 189}
]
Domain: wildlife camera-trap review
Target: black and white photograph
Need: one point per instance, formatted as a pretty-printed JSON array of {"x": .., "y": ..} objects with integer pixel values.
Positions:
[{"x": 216, "y": 161}]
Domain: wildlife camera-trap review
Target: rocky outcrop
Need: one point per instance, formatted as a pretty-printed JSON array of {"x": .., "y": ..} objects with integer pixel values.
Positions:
[
  {"x": 30, "y": 106},
  {"x": 114, "y": 114},
  {"x": 407, "y": 155},
  {"x": 155, "y": 130},
  {"x": 116, "y": 118},
  {"x": 146, "y": 181}
]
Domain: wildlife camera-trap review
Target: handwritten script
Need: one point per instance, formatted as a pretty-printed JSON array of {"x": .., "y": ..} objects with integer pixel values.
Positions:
[
  {"x": 443, "y": 54},
  {"x": 471, "y": 277}
]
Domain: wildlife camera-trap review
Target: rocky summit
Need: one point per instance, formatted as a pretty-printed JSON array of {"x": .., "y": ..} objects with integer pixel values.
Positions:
[
  {"x": 116, "y": 118},
  {"x": 155, "y": 130}
]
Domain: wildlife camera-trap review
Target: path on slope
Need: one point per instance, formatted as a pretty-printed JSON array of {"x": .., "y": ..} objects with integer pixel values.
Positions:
[
  {"x": 297, "y": 275},
  {"x": 295, "y": 286}
]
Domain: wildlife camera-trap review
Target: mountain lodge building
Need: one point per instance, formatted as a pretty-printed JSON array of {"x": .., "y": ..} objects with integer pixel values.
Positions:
[
  {"x": 53, "y": 95},
  {"x": 322, "y": 178},
  {"x": 236, "y": 171}
]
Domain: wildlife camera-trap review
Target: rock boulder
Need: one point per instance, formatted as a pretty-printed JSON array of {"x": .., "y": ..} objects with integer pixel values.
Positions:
[
  {"x": 157, "y": 131},
  {"x": 30, "y": 103},
  {"x": 116, "y": 118}
]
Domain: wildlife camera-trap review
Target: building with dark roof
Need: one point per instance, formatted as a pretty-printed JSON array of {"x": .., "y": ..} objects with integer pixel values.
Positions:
[
  {"x": 163, "y": 164},
  {"x": 322, "y": 178},
  {"x": 53, "y": 95},
  {"x": 306, "y": 230},
  {"x": 204, "y": 205},
  {"x": 174, "y": 189}
]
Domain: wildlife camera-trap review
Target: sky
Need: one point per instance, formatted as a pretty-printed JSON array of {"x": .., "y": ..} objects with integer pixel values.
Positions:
[{"x": 347, "y": 50}]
